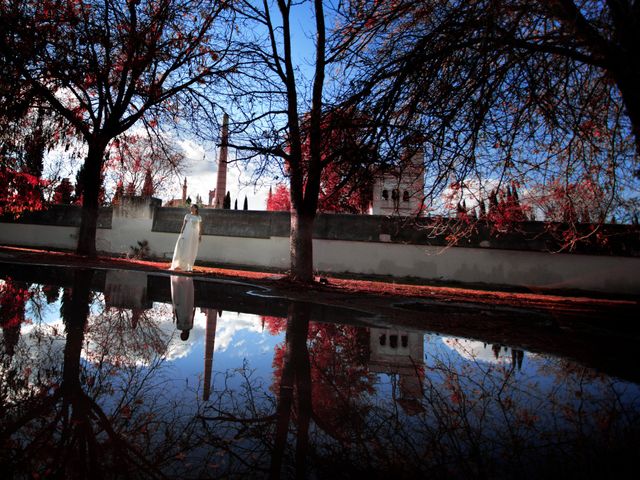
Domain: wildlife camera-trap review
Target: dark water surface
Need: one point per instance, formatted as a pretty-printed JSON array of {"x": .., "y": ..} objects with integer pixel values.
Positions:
[{"x": 120, "y": 374}]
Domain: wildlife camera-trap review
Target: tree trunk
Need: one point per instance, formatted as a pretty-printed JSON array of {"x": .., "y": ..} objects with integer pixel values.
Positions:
[
  {"x": 628, "y": 84},
  {"x": 295, "y": 373},
  {"x": 301, "y": 246},
  {"x": 75, "y": 311},
  {"x": 299, "y": 314},
  {"x": 78, "y": 447},
  {"x": 91, "y": 179}
]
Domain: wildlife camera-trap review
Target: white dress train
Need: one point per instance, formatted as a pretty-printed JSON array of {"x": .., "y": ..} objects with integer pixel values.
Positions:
[{"x": 184, "y": 254}]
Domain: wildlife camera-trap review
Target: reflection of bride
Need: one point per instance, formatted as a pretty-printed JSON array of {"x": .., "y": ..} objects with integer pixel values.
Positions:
[
  {"x": 182, "y": 299},
  {"x": 184, "y": 254}
]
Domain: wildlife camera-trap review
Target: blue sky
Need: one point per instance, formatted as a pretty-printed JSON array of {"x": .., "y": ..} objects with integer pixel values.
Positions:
[
  {"x": 200, "y": 167},
  {"x": 202, "y": 171}
]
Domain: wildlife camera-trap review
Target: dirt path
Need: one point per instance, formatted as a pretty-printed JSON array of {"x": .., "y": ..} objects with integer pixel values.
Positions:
[{"x": 356, "y": 292}]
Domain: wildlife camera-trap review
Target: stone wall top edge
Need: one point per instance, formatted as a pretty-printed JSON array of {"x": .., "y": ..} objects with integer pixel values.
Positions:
[{"x": 624, "y": 239}]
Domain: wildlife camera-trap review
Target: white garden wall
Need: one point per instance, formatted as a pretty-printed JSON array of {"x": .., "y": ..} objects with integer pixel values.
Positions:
[{"x": 532, "y": 269}]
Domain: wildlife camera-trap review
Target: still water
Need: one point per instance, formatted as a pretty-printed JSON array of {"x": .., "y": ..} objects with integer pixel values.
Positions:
[{"x": 116, "y": 374}]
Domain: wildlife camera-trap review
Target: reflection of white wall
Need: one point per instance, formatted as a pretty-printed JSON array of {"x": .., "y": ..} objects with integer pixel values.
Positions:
[
  {"x": 126, "y": 289},
  {"x": 98, "y": 334},
  {"x": 41, "y": 345}
]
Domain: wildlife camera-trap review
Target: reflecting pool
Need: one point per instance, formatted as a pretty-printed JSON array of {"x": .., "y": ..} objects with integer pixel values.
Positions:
[{"x": 123, "y": 374}]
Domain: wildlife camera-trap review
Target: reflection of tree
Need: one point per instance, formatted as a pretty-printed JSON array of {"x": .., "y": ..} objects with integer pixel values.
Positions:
[
  {"x": 13, "y": 296},
  {"x": 51, "y": 292},
  {"x": 294, "y": 377},
  {"x": 479, "y": 419},
  {"x": 79, "y": 419},
  {"x": 253, "y": 439},
  {"x": 123, "y": 336},
  {"x": 320, "y": 377},
  {"x": 325, "y": 415},
  {"x": 340, "y": 377}
]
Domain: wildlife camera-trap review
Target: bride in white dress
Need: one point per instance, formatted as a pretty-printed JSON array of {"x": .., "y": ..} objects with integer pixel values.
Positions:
[{"x": 184, "y": 255}]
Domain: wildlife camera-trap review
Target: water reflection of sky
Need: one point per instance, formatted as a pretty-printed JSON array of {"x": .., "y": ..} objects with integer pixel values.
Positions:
[
  {"x": 395, "y": 385},
  {"x": 239, "y": 338},
  {"x": 242, "y": 340}
]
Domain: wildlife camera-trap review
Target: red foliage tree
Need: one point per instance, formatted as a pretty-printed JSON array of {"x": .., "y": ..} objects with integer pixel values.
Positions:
[
  {"x": 456, "y": 75},
  {"x": 280, "y": 200},
  {"x": 150, "y": 163},
  {"x": 346, "y": 181},
  {"x": 505, "y": 210},
  {"x": 342, "y": 194},
  {"x": 19, "y": 192},
  {"x": 287, "y": 111},
  {"x": 104, "y": 65},
  {"x": 274, "y": 325},
  {"x": 13, "y": 297},
  {"x": 572, "y": 202}
]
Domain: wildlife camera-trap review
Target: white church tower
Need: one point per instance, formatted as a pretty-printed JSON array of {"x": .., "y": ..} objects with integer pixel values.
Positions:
[
  {"x": 400, "y": 191},
  {"x": 221, "y": 184}
]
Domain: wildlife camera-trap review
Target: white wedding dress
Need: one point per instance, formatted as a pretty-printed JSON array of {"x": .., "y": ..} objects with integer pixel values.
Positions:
[{"x": 184, "y": 254}]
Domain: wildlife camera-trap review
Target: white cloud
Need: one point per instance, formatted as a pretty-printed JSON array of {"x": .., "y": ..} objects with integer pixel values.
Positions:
[
  {"x": 200, "y": 169},
  {"x": 228, "y": 327},
  {"x": 192, "y": 150}
]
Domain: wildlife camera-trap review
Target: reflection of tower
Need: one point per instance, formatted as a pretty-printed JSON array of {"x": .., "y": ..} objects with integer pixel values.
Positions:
[
  {"x": 221, "y": 185},
  {"x": 209, "y": 342},
  {"x": 401, "y": 353}
]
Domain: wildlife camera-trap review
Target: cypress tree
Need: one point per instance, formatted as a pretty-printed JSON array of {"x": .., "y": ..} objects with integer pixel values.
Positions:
[
  {"x": 147, "y": 188},
  {"x": 117, "y": 197}
]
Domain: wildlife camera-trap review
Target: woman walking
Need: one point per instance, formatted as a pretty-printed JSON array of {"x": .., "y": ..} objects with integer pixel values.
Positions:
[{"x": 184, "y": 254}]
